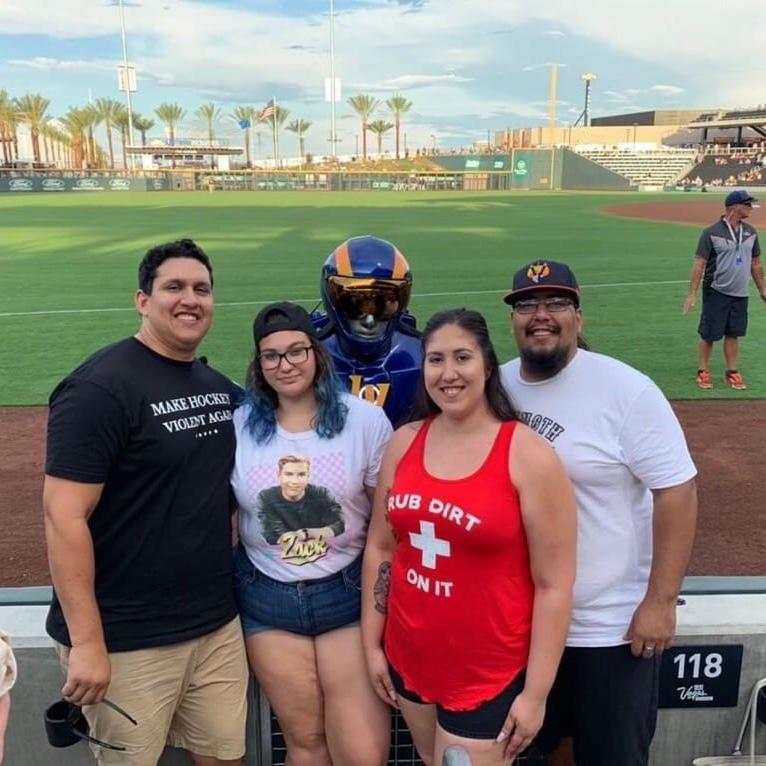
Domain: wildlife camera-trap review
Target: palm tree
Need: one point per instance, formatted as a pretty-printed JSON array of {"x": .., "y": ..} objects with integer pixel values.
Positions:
[
  {"x": 275, "y": 122},
  {"x": 398, "y": 105},
  {"x": 364, "y": 106},
  {"x": 209, "y": 114},
  {"x": 32, "y": 109},
  {"x": 245, "y": 115},
  {"x": 299, "y": 127},
  {"x": 142, "y": 124},
  {"x": 58, "y": 139},
  {"x": 75, "y": 123},
  {"x": 122, "y": 124},
  {"x": 108, "y": 110},
  {"x": 92, "y": 121},
  {"x": 379, "y": 127},
  {"x": 170, "y": 115},
  {"x": 8, "y": 122}
]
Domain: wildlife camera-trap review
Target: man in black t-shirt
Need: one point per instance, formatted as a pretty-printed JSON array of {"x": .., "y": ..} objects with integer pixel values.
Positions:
[{"x": 138, "y": 525}]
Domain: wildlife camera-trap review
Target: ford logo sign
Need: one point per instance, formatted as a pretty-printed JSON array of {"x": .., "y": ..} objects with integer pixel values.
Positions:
[
  {"x": 87, "y": 183},
  {"x": 120, "y": 183},
  {"x": 53, "y": 184},
  {"x": 20, "y": 184}
]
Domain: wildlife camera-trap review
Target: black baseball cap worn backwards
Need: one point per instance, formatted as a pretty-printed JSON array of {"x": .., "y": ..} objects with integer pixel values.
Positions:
[
  {"x": 543, "y": 275},
  {"x": 282, "y": 316}
]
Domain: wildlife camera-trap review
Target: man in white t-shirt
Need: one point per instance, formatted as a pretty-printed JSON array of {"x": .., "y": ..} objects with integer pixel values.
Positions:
[{"x": 627, "y": 457}]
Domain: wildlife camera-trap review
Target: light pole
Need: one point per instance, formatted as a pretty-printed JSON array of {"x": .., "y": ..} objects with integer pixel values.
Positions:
[
  {"x": 433, "y": 139},
  {"x": 588, "y": 77},
  {"x": 127, "y": 74},
  {"x": 333, "y": 134}
]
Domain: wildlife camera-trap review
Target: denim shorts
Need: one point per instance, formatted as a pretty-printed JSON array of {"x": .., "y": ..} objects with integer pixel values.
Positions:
[{"x": 307, "y": 607}]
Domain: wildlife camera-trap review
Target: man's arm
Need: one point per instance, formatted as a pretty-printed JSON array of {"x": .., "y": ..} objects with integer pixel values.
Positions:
[
  {"x": 698, "y": 269},
  {"x": 756, "y": 270},
  {"x": 675, "y": 519},
  {"x": 67, "y": 506}
]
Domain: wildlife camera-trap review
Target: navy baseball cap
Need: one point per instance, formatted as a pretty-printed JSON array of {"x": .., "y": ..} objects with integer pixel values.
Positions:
[
  {"x": 739, "y": 197},
  {"x": 543, "y": 275},
  {"x": 282, "y": 316}
]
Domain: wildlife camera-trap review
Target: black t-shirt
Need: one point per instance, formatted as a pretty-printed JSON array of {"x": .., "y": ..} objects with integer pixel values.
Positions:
[{"x": 158, "y": 434}]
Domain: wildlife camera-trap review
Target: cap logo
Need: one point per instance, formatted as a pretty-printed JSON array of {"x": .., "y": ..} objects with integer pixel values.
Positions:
[{"x": 538, "y": 271}]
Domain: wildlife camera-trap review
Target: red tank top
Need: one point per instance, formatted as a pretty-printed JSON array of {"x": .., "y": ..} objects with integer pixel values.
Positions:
[{"x": 460, "y": 600}]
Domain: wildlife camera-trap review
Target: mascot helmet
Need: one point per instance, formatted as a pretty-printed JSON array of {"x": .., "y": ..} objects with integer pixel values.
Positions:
[{"x": 366, "y": 285}]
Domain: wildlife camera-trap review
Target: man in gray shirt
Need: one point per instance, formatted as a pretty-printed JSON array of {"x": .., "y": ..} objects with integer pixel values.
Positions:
[{"x": 728, "y": 253}]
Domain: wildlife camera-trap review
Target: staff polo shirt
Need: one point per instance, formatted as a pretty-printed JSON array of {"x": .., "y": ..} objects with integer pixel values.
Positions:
[{"x": 728, "y": 257}]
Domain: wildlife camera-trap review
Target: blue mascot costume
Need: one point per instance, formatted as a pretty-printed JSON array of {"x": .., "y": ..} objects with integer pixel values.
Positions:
[{"x": 366, "y": 285}]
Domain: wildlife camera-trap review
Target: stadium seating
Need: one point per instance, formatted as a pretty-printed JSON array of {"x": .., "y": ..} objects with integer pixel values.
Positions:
[
  {"x": 644, "y": 168},
  {"x": 728, "y": 170}
]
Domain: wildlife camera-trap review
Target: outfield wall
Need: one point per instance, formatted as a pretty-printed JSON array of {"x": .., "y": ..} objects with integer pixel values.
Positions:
[
  {"x": 57, "y": 183},
  {"x": 522, "y": 169}
]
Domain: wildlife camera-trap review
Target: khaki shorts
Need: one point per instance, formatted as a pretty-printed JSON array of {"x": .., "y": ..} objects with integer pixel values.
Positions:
[{"x": 190, "y": 695}]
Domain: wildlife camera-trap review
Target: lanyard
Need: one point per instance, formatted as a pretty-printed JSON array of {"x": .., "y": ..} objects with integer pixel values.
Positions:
[{"x": 733, "y": 235}]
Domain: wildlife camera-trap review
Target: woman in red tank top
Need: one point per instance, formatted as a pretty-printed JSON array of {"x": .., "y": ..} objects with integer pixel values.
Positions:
[{"x": 470, "y": 558}]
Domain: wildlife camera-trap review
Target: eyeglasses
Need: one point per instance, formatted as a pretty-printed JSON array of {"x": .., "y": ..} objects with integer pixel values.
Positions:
[
  {"x": 553, "y": 305},
  {"x": 270, "y": 360},
  {"x": 65, "y": 725}
]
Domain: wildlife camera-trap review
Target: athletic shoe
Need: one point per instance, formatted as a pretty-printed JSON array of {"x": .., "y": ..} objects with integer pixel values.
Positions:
[
  {"x": 735, "y": 380},
  {"x": 703, "y": 379}
]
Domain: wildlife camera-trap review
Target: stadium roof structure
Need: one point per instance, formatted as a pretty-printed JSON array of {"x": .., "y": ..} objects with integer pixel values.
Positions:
[{"x": 742, "y": 118}]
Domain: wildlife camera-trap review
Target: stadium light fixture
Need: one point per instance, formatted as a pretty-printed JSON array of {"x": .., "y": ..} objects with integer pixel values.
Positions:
[{"x": 588, "y": 78}]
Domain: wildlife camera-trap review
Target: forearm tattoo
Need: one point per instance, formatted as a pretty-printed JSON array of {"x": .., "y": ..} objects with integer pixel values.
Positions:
[{"x": 380, "y": 591}]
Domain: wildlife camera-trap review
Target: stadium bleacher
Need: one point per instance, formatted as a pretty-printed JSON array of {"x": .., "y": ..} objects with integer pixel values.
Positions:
[{"x": 644, "y": 168}]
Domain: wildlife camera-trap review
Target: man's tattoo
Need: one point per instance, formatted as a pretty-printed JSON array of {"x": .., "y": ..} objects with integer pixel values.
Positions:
[{"x": 380, "y": 591}]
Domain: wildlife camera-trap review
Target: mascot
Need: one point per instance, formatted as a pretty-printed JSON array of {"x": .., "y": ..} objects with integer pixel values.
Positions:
[{"x": 366, "y": 285}]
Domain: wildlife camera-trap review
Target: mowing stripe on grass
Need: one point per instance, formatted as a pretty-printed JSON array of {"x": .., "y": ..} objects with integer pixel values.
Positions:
[{"x": 227, "y": 304}]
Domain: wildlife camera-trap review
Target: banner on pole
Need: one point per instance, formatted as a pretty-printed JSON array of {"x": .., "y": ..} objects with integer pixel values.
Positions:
[
  {"x": 126, "y": 78},
  {"x": 330, "y": 93}
]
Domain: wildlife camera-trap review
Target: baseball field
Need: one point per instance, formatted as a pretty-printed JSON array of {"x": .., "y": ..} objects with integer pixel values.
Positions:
[{"x": 68, "y": 272}]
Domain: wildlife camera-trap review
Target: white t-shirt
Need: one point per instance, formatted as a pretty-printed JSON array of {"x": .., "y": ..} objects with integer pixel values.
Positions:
[
  {"x": 618, "y": 439},
  {"x": 320, "y": 487}
]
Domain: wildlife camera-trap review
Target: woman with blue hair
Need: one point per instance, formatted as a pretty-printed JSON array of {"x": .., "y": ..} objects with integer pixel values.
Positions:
[{"x": 307, "y": 463}]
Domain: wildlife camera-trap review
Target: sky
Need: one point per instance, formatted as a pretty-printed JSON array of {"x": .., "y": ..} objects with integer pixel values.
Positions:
[{"x": 466, "y": 66}]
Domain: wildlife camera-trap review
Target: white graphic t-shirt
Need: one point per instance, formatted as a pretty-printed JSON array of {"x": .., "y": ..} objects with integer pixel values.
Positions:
[
  {"x": 303, "y": 507},
  {"x": 618, "y": 439}
]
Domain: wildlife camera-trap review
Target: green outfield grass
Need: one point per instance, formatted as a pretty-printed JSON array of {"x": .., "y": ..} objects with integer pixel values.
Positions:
[{"x": 68, "y": 270}]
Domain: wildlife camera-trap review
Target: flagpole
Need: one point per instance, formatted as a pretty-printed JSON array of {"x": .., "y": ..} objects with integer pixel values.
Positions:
[{"x": 276, "y": 136}]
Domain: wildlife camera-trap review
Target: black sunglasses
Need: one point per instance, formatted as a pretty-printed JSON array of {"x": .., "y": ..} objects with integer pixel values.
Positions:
[{"x": 66, "y": 725}]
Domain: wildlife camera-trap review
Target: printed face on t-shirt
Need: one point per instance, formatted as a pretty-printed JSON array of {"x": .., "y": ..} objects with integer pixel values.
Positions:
[
  {"x": 293, "y": 479},
  {"x": 177, "y": 314}
]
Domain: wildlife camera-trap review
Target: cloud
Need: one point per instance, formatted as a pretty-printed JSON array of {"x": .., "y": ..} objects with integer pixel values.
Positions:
[
  {"x": 44, "y": 62},
  {"x": 666, "y": 90},
  {"x": 413, "y": 81}
]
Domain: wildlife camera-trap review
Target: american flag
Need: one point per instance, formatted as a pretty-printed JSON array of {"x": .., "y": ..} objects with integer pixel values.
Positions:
[{"x": 267, "y": 111}]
